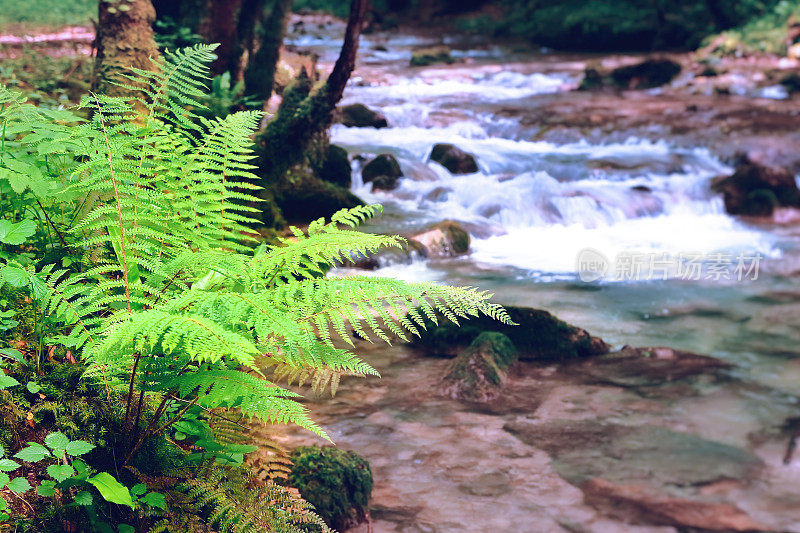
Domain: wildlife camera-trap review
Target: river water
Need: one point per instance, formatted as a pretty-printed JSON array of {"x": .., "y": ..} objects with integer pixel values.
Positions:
[{"x": 535, "y": 207}]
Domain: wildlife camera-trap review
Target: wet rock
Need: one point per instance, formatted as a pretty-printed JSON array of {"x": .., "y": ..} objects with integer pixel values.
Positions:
[
  {"x": 650, "y": 455},
  {"x": 653, "y": 72},
  {"x": 305, "y": 197},
  {"x": 337, "y": 483},
  {"x": 443, "y": 239},
  {"x": 383, "y": 172},
  {"x": 756, "y": 190},
  {"x": 636, "y": 504},
  {"x": 429, "y": 56},
  {"x": 647, "y": 367},
  {"x": 413, "y": 251},
  {"x": 360, "y": 116},
  {"x": 336, "y": 167},
  {"x": 538, "y": 335},
  {"x": 648, "y": 74},
  {"x": 454, "y": 159},
  {"x": 477, "y": 373}
]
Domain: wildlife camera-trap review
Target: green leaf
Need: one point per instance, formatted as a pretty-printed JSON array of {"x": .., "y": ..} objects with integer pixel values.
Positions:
[
  {"x": 125, "y": 528},
  {"x": 46, "y": 488},
  {"x": 16, "y": 233},
  {"x": 17, "y": 277},
  {"x": 57, "y": 441},
  {"x": 111, "y": 489},
  {"x": 60, "y": 472},
  {"x": 139, "y": 489},
  {"x": 7, "y": 465},
  {"x": 19, "y": 485},
  {"x": 33, "y": 453},
  {"x": 7, "y": 381},
  {"x": 155, "y": 499},
  {"x": 4, "y": 479},
  {"x": 79, "y": 447},
  {"x": 33, "y": 387},
  {"x": 84, "y": 498},
  {"x": 3, "y": 504},
  {"x": 12, "y": 353}
]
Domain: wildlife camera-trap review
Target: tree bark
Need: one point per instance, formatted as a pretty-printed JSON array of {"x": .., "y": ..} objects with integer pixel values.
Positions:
[
  {"x": 124, "y": 40},
  {"x": 303, "y": 115},
  {"x": 259, "y": 76}
]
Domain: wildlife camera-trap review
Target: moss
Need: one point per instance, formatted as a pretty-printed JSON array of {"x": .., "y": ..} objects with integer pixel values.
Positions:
[
  {"x": 538, "y": 336},
  {"x": 303, "y": 197},
  {"x": 337, "y": 483},
  {"x": 456, "y": 235},
  {"x": 336, "y": 167},
  {"x": 477, "y": 372}
]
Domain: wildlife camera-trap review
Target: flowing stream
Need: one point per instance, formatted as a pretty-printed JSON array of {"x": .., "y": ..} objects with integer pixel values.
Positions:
[{"x": 533, "y": 208}]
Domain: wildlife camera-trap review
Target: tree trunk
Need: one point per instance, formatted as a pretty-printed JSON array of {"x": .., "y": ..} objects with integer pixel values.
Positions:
[
  {"x": 259, "y": 76},
  {"x": 124, "y": 40},
  {"x": 302, "y": 116}
]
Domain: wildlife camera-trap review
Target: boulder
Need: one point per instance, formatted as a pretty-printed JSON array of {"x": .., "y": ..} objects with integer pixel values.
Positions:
[
  {"x": 650, "y": 73},
  {"x": 477, "y": 373},
  {"x": 756, "y": 190},
  {"x": 305, "y": 197},
  {"x": 538, "y": 335},
  {"x": 454, "y": 159},
  {"x": 636, "y": 504},
  {"x": 429, "y": 56},
  {"x": 337, "y": 483},
  {"x": 336, "y": 167},
  {"x": 360, "y": 116},
  {"x": 383, "y": 172},
  {"x": 443, "y": 239}
]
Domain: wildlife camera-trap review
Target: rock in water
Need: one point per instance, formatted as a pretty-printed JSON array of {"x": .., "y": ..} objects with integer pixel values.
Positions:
[
  {"x": 360, "y": 116},
  {"x": 428, "y": 56},
  {"x": 636, "y": 504},
  {"x": 443, "y": 239},
  {"x": 538, "y": 336},
  {"x": 383, "y": 172},
  {"x": 477, "y": 373},
  {"x": 336, "y": 168},
  {"x": 454, "y": 159},
  {"x": 653, "y": 72},
  {"x": 305, "y": 197},
  {"x": 756, "y": 190},
  {"x": 337, "y": 483}
]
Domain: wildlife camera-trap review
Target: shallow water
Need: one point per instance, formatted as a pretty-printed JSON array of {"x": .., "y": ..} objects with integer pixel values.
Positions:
[{"x": 532, "y": 209}]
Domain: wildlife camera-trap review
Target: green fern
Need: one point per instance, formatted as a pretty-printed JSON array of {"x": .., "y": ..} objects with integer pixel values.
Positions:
[{"x": 180, "y": 311}]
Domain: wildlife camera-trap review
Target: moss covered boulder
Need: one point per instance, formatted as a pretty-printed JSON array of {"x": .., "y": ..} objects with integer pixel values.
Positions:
[
  {"x": 756, "y": 190},
  {"x": 538, "y": 335},
  {"x": 430, "y": 56},
  {"x": 337, "y": 483},
  {"x": 383, "y": 172},
  {"x": 477, "y": 373},
  {"x": 336, "y": 167},
  {"x": 454, "y": 159},
  {"x": 650, "y": 73},
  {"x": 360, "y": 116},
  {"x": 302, "y": 197},
  {"x": 443, "y": 239}
]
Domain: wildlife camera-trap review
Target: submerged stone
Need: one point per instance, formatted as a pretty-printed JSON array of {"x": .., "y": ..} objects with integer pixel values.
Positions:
[
  {"x": 538, "y": 335},
  {"x": 383, "y": 172}
]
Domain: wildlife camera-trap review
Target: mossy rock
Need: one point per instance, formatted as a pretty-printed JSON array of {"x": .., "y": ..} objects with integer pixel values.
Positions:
[
  {"x": 360, "y": 116},
  {"x": 337, "y": 483},
  {"x": 480, "y": 369},
  {"x": 303, "y": 197},
  {"x": 538, "y": 335},
  {"x": 430, "y": 56},
  {"x": 756, "y": 190},
  {"x": 443, "y": 239},
  {"x": 336, "y": 167}
]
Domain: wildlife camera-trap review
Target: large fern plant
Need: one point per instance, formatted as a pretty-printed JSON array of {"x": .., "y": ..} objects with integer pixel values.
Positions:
[{"x": 180, "y": 310}]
